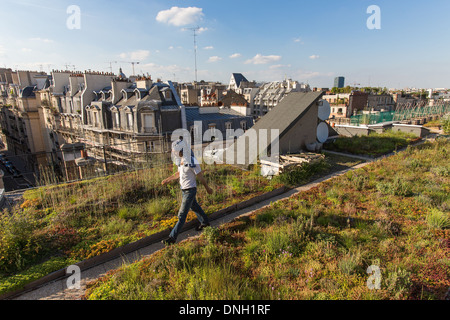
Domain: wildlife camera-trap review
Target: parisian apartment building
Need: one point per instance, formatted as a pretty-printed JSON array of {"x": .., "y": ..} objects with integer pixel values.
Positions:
[
  {"x": 66, "y": 118},
  {"x": 45, "y": 116}
]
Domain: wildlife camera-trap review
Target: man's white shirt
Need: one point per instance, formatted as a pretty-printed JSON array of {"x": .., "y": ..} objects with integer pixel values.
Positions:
[{"x": 188, "y": 174}]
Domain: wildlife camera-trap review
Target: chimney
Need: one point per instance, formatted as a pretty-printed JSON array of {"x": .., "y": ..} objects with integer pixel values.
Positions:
[
  {"x": 117, "y": 87},
  {"x": 144, "y": 83}
]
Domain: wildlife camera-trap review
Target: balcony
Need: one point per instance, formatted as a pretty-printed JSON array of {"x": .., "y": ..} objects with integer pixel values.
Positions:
[
  {"x": 149, "y": 130},
  {"x": 66, "y": 130}
]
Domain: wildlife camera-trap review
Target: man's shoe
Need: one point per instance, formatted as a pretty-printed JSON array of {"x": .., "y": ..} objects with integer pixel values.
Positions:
[
  {"x": 202, "y": 226},
  {"x": 168, "y": 242}
]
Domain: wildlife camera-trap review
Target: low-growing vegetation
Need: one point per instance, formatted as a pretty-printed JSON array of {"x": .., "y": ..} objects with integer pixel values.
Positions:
[
  {"x": 445, "y": 124},
  {"x": 374, "y": 144},
  {"x": 391, "y": 215},
  {"x": 57, "y": 226}
]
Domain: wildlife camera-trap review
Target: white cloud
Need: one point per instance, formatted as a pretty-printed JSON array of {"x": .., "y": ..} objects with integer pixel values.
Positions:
[
  {"x": 34, "y": 66},
  {"x": 298, "y": 40},
  {"x": 208, "y": 48},
  {"x": 199, "y": 30},
  {"x": 311, "y": 74},
  {"x": 279, "y": 66},
  {"x": 153, "y": 67},
  {"x": 26, "y": 50},
  {"x": 235, "y": 55},
  {"x": 280, "y": 73},
  {"x": 167, "y": 72},
  {"x": 42, "y": 40},
  {"x": 305, "y": 75},
  {"x": 180, "y": 16},
  {"x": 214, "y": 59},
  {"x": 138, "y": 55},
  {"x": 173, "y": 47},
  {"x": 314, "y": 57},
  {"x": 260, "y": 59}
]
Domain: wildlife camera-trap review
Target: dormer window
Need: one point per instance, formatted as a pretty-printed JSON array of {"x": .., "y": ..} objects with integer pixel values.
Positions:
[
  {"x": 127, "y": 94},
  {"x": 212, "y": 130},
  {"x": 105, "y": 95},
  {"x": 89, "y": 120},
  {"x": 130, "y": 121},
  {"x": 167, "y": 94},
  {"x": 116, "y": 118},
  {"x": 95, "y": 124},
  {"x": 244, "y": 125},
  {"x": 148, "y": 123}
]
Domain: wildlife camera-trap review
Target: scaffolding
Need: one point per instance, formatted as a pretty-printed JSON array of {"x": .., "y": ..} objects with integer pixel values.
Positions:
[
  {"x": 413, "y": 113},
  {"x": 422, "y": 110}
]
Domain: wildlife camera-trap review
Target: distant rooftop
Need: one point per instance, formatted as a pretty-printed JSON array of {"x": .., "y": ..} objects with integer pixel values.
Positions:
[{"x": 193, "y": 114}]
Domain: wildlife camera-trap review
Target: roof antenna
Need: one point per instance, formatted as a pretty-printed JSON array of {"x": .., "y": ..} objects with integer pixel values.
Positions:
[{"x": 194, "y": 30}]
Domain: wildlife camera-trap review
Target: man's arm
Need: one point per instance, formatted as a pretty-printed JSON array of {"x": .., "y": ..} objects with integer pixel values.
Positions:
[
  {"x": 172, "y": 178},
  {"x": 202, "y": 179}
]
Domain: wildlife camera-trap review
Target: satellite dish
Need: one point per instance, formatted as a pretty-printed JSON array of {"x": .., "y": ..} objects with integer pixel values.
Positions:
[
  {"x": 322, "y": 132},
  {"x": 324, "y": 110}
]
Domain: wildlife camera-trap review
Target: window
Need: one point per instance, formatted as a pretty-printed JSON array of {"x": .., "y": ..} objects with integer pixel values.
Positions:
[
  {"x": 117, "y": 120},
  {"x": 150, "y": 146},
  {"x": 96, "y": 119},
  {"x": 212, "y": 128},
  {"x": 130, "y": 121},
  {"x": 148, "y": 121},
  {"x": 228, "y": 126},
  {"x": 193, "y": 131},
  {"x": 244, "y": 125}
]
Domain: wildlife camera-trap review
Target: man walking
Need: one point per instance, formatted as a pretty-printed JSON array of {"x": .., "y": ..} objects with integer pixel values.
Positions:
[{"x": 188, "y": 171}]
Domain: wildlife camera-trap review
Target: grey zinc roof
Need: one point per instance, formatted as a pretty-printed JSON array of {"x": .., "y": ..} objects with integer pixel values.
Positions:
[
  {"x": 193, "y": 114},
  {"x": 131, "y": 101},
  {"x": 284, "y": 116},
  {"x": 170, "y": 108},
  {"x": 238, "y": 78},
  {"x": 288, "y": 111},
  {"x": 28, "y": 92},
  {"x": 153, "y": 94}
]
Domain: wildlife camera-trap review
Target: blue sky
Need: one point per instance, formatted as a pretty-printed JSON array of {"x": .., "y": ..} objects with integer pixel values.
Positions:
[{"x": 308, "y": 41}]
